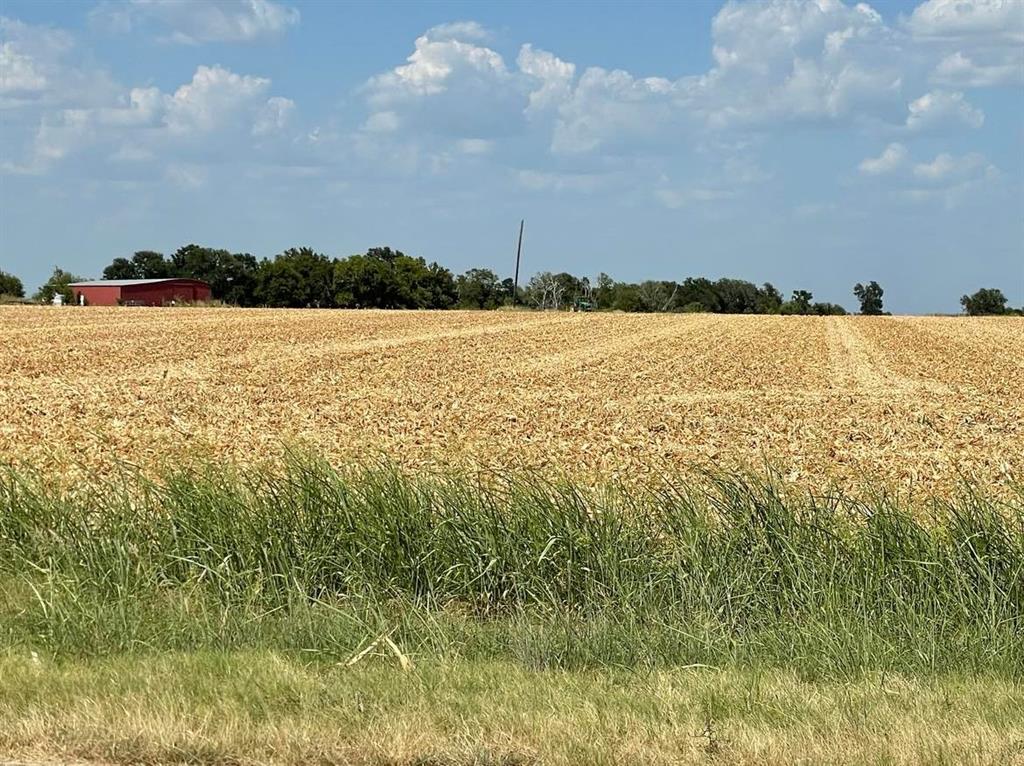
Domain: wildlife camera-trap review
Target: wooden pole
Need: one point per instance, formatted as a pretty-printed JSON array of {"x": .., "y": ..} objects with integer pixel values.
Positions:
[{"x": 519, "y": 252}]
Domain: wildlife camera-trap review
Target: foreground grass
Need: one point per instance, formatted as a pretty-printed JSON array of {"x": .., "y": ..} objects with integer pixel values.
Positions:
[
  {"x": 210, "y": 617},
  {"x": 258, "y": 707}
]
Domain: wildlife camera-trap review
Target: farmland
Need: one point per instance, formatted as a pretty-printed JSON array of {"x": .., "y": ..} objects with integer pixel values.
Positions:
[
  {"x": 906, "y": 403},
  {"x": 270, "y": 536}
]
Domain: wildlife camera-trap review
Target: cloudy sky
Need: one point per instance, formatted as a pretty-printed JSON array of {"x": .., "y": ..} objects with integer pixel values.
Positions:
[{"x": 813, "y": 144}]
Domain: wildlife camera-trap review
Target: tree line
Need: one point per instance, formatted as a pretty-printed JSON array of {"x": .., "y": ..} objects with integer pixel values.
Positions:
[{"x": 390, "y": 279}]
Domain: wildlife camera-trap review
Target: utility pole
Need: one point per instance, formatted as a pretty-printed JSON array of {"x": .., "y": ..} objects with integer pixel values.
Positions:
[{"x": 519, "y": 251}]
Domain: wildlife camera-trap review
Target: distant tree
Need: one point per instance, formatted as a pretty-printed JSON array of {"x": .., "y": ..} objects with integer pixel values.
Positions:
[
  {"x": 436, "y": 288},
  {"x": 769, "y": 299},
  {"x": 736, "y": 296},
  {"x": 57, "y": 283},
  {"x": 390, "y": 279},
  {"x": 799, "y": 303},
  {"x": 627, "y": 298},
  {"x": 231, "y": 276},
  {"x": 655, "y": 295},
  {"x": 828, "y": 309},
  {"x": 120, "y": 268},
  {"x": 11, "y": 285},
  {"x": 986, "y": 301},
  {"x": 150, "y": 265},
  {"x": 604, "y": 291},
  {"x": 144, "y": 264},
  {"x": 508, "y": 286},
  {"x": 479, "y": 289},
  {"x": 870, "y": 297},
  {"x": 572, "y": 287},
  {"x": 297, "y": 278},
  {"x": 699, "y": 290},
  {"x": 546, "y": 291}
]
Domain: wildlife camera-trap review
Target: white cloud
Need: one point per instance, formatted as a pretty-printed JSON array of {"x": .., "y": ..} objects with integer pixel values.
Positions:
[
  {"x": 941, "y": 108},
  {"x": 613, "y": 109},
  {"x": 381, "y": 122},
  {"x": 449, "y": 87},
  {"x": 466, "y": 30},
  {"x": 37, "y": 69},
  {"x": 784, "y": 60},
  {"x": 273, "y": 116},
  {"x": 214, "y": 97},
  {"x": 18, "y": 72},
  {"x": 946, "y": 168},
  {"x": 959, "y": 70},
  {"x": 149, "y": 122},
  {"x": 990, "y": 20},
  {"x": 949, "y": 179},
  {"x": 893, "y": 157},
  {"x": 200, "y": 22},
  {"x": 438, "y": 61},
  {"x": 554, "y": 76}
]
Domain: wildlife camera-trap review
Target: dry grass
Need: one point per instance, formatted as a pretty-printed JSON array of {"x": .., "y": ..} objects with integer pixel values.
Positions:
[
  {"x": 265, "y": 708},
  {"x": 911, "y": 402}
]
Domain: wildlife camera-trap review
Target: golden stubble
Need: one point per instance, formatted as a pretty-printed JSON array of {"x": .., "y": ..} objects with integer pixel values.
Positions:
[{"x": 912, "y": 404}]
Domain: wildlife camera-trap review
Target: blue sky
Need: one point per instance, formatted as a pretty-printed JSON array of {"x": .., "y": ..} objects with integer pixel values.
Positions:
[{"x": 813, "y": 144}]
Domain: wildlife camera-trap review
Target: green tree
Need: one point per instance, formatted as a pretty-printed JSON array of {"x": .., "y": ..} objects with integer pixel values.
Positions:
[
  {"x": 769, "y": 299},
  {"x": 296, "y": 278},
  {"x": 987, "y": 301},
  {"x": 479, "y": 289},
  {"x": 231, "y": 276},
  {"x": 150, "y": 265},
  {"x": 736, "y": 296},
  {"x": 604, "y": 291},
  {"x": 870, "y": 297},
  {"x": 120, "y": 268},
  {"x": 11, "y": 285},
  {"x": 57, "y": 283},
  {"x": 144, "y": 264},
  {"x": 799, "y": 303},
  {"x": 390, "y": 279},
  {"x": 828, "y": 309},
  {"x": 699, "y": 290}
]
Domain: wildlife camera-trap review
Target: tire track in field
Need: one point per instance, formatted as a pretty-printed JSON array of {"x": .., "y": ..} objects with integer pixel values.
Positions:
[{"x": 859, "y": 365}]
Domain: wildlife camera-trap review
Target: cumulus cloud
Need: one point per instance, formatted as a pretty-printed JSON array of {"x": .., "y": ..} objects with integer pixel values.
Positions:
[
  {"x": 948, "y": 179},
  {"x": 989, "y": 20},
  {"x": 946, "y": 168},
  {"x": 18, "y": 72},
  {"x": 193, "y": 23},
  {"x": 941, "y": 108},
  {"x": 215, "y": 102},
  {"x": 959, "y": 70},
  {"x": 893, "y": 157},
  {"x": 782, "y": 60},
  {"x": 553, "y": 76},
  {"x": 273, "y": 116},
  {"x": 449, "y": 85},
  {"x": 613, "y": 109}
]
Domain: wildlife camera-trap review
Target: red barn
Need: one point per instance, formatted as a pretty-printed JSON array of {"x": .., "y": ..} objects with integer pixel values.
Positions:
[{"x": 140, "y": 292}]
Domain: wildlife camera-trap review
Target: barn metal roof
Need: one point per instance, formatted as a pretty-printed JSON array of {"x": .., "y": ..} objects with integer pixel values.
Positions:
[{"x": 128, "y": 282}]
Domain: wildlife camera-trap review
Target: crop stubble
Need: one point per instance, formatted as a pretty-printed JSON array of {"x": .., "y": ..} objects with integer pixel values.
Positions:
[{"x": 909, "y": 402}]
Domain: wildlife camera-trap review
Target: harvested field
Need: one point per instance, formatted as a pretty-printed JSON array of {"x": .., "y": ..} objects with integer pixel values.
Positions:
[{"x": 911, "y": 402}]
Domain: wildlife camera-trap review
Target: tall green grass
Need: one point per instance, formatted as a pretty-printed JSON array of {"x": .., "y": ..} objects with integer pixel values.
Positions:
[{"x": 725, "y": 569}]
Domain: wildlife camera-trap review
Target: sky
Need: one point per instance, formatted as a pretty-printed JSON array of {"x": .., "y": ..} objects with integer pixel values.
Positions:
[{"x": 812, "y": 144}]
